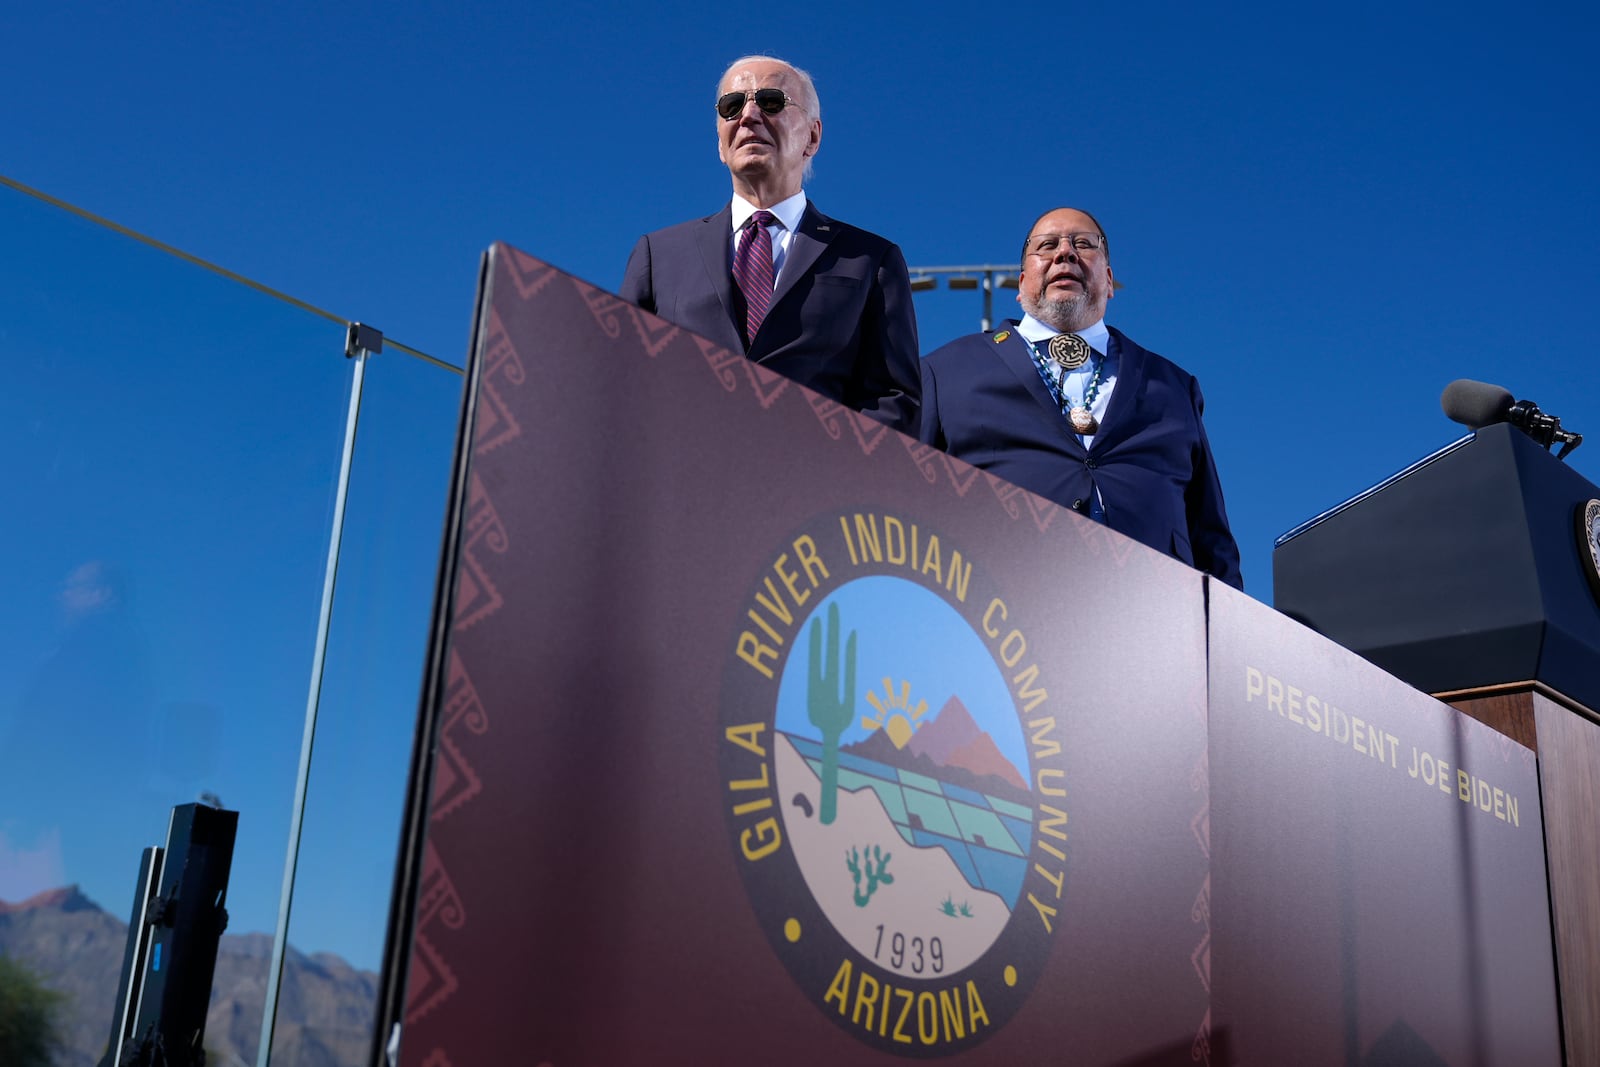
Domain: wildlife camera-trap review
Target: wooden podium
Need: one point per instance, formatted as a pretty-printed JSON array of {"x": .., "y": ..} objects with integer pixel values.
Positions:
[
  {"x": 1472, "y": 576},
  {"x": 1566, "y": 737}
]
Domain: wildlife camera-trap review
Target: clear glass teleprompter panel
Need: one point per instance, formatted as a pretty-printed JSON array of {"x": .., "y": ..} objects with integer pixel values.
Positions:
[
  {"x": 387, "y": 570},
  {"x": 172, "y": 440}
]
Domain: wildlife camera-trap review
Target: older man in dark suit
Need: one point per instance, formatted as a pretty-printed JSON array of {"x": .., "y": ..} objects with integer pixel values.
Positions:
[
  {"x": 810, "y": 297},
  {"x": 1069, "y": 408}
]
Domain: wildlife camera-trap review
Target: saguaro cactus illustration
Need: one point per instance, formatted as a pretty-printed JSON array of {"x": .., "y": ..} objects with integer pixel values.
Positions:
[{"x": 830, "y": 707}]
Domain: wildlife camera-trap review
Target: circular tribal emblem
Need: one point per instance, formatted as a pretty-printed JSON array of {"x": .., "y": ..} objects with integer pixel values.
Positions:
[
  {"x": 1589, "y": 543},
  {"x": 1069, "y": 350},
  {"x": 894, "y": 785}
]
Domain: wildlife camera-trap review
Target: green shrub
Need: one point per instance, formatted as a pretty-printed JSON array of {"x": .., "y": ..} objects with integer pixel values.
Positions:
[{"x": 29, "y": 1017}]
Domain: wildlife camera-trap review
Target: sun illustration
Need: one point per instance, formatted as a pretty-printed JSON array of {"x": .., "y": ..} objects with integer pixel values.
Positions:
[{"x": 896, "y": 716}]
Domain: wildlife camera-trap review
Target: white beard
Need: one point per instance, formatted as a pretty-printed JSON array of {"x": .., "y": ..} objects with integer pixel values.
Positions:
[{"x": 1062, "y": 312}]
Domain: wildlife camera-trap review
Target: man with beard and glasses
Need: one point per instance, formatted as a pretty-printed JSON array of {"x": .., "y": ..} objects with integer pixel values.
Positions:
[
  {"x": 815, "y": 299},
  {"x": 1069, "y": 408}
]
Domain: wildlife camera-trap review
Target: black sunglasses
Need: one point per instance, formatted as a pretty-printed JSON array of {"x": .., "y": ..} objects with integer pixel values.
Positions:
[{"x": 770, "y": 101}]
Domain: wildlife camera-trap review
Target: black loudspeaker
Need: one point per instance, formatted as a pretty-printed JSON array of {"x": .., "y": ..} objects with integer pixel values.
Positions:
[
  {"x": 178, "y": 917},
  {"x": 1471, "y": 568}
]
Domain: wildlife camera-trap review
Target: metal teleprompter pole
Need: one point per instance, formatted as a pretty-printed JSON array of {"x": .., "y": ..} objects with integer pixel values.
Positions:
[{"x": 361, "y": 342}]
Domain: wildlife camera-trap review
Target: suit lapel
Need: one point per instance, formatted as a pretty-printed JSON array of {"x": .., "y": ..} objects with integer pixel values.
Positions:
[
  {"x": 805, "y": 246},
  {"x": 713, "y": 240},
  {"x": 1126, "y": 394},
  {"x": 1018, "y": 358}
]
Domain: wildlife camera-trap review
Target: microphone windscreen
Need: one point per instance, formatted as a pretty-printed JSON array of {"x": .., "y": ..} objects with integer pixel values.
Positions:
[{"x": 1475, "y": 404}]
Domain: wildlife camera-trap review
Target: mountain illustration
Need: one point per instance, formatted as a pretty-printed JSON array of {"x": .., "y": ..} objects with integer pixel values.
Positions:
[
  {"x": 949, "y": 730},
  {"x": 951, "y": 746},
  {"x": 983, "y": 758}
]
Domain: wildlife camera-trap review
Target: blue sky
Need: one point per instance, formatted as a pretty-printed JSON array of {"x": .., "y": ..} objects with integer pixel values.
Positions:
[{"x": 1326, "y": 214}]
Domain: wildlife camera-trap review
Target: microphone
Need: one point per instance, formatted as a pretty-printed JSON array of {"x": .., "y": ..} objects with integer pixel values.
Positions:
[
  {"x": 1476, "y": 404},
  {"x": 1479, "y": 404}
]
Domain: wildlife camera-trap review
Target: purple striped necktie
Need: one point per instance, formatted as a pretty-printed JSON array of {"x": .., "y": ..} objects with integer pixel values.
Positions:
[{"x": 752, "y": 270}]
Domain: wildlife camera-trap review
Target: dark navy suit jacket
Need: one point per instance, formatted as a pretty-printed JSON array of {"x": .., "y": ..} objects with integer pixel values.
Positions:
[
  {"x": 984, "y": 402},
  {"x": 840, "y": 323}
]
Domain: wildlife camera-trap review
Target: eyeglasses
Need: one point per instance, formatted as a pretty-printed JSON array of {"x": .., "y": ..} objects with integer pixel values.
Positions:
[
  {"x": 770, "y": 101},
  {"x": 1047, "y": 245}
]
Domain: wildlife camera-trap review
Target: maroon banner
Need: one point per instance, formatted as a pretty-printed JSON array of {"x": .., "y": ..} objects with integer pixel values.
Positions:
[
  {"x": 1380, "y": 892},
  {"x": 767, "y": 735}
]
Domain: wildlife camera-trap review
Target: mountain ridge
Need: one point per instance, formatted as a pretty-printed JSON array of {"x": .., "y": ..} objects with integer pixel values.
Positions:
[{"x": 325, "y": 1007}]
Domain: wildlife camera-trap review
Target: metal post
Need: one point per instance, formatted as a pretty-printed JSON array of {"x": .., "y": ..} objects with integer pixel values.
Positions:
[
  {"x": 360, "y": 343},
  {"x": 985, "y": 276}
]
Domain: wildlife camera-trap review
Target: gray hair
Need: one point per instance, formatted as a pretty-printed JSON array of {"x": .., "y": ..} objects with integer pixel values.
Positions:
[{"x": 812, "y": 104}]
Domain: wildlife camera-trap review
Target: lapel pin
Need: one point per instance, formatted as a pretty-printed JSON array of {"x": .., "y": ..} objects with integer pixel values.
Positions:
[{"x": 1001, "y": 336}]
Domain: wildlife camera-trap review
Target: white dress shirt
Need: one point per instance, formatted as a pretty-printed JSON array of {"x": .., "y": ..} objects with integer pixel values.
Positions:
[
  {"x": 1072, "y": 384},
  {"x": 787, "y": 212}
]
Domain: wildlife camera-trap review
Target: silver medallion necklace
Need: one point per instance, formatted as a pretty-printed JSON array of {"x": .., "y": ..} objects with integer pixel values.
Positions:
[{"x": 1069, "y": 352}]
